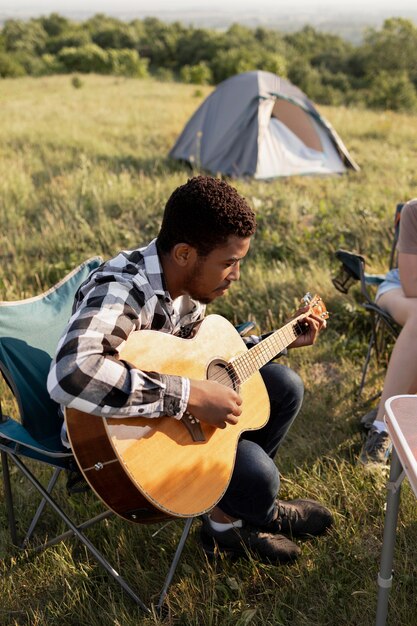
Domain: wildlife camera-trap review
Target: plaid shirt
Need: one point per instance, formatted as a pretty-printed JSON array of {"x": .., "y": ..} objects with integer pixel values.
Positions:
[{"x": 125, "y": 294}]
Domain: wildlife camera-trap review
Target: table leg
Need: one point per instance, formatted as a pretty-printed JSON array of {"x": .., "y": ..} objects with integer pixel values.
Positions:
[{"x": 388, "y": 542}]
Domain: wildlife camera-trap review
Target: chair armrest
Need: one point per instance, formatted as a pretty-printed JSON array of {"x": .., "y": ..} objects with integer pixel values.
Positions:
[
  {"x": 351, "y": 261},
  {"x": 374, "y": 279},
  {"x": 352, "y": 270},
  {"x": 245, "y": 328}
]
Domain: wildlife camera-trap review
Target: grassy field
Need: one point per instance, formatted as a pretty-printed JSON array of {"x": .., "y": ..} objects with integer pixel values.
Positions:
[{"x": 84, "y": 171}]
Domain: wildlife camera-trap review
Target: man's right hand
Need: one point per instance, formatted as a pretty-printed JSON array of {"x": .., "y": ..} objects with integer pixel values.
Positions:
[{"x": 214, "y": 403}]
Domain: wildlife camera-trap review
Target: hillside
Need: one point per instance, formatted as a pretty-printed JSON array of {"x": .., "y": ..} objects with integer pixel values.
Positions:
[{"x": 84, "y": 172}]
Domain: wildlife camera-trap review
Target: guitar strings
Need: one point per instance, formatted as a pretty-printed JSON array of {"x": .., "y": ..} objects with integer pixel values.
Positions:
[
  {"x": 251, "y": 361},
  {"x": 261, "y": 352}
]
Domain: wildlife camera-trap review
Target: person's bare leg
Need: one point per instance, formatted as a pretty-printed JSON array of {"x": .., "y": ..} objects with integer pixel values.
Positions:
[{"x": 401, "y": 375}]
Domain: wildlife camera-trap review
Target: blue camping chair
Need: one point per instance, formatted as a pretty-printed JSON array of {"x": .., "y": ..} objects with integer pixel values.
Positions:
[
  {"x": 353, "y": 270},
  {"x": 29, "y": 333}
]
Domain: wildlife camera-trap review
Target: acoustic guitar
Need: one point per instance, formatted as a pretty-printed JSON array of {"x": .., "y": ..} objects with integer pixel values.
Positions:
[{"x": 146, "y": 469}]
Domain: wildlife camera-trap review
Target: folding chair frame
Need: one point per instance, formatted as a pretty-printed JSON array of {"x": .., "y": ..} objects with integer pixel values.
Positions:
[
  {"x": 74, "y": 529},
  {"x": 382, "y": 324},
  {"x": 17, "y": 442}
]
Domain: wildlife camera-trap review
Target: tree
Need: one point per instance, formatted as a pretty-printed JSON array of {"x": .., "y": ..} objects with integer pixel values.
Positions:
[
  {"x": 159, "y": 42},
  {"x": 392, "y": 91},
  {"x": 72, "y": 38},
  {"x": 196, "y": 45},
  {"x": 199, "y": 74},
  {"x": 226, "y": 63},
  {"x": 24, "y": 36},
  {"x": 127, "y": 63},
  {"x": 89, "y": 58},
  {"x": 55, "y": 24},
  {"x": 10, "y": 67},
  {"x": 322, "y": 50},
  {"x": 115, "y": 36},
  {"x": 393, "y": 49}
]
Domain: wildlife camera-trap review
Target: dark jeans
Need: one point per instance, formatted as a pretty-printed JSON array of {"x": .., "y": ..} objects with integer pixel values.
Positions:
[{"x": 253, "y": 488}]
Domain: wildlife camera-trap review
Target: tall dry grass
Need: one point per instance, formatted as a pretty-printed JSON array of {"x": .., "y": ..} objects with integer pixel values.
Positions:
[{"x": 84, "y": 171}]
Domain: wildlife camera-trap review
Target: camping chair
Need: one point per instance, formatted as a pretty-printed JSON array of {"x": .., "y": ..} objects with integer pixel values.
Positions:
[
  {"x": 29, "y": 333},
  {"x": 383, "y": 327}
]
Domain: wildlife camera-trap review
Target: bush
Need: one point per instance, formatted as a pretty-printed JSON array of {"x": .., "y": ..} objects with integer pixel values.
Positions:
[
  {"x": 10, "y": 67},
  {"x": 395, "y": 91},
  {"x": 89, "y": 58},
  {"x": 199, "y": 74},
  {"x": 76, "y": 82},
  {"x": 92, "y": 58},
  {"x": 164, "y": 74},
  {"x": 74, "y": 38},
  {"x": 272, "y": 62},
  {"x": 49, "y": 64},
  {"x": 127, "y": 63},
  {"x": 38, "y": 65},
  {"x": 306, "y": 77},
  {"x": 226, "y": 63}
]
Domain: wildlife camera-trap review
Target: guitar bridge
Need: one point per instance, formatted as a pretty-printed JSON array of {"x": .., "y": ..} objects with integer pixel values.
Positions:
[{"x": 193, "y": 426}]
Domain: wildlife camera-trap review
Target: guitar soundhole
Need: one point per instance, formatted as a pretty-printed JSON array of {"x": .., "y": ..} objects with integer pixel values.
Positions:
[{"x": 223, "y": 373}]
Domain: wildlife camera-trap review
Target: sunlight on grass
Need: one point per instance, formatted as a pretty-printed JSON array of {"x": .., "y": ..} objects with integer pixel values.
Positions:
[{"x": 85, "y": 172}]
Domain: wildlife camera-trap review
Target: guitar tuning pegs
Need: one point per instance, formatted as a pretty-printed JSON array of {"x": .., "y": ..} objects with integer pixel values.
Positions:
[{"x": 307, "y": 298}]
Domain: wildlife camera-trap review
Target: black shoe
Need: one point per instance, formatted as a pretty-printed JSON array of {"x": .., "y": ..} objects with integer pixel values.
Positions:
[
  {"x": 376, "y": 448},
  {"x": 368, "y": 419},
  {"x": 242, "y": 542},
  {"x": 299, "y": 518}
]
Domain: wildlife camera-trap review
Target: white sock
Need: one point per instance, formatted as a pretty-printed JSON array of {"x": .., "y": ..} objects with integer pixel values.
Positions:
[
  {"x": 221, "y": 527},
  {"x": 380, "y": 426}
]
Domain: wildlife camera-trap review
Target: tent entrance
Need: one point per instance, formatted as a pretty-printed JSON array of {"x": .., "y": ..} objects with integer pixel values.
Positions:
[{"x": 298, "y": 122}]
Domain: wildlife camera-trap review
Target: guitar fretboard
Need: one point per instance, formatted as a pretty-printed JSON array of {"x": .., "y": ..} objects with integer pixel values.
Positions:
[{"x": 251, "y": 361}]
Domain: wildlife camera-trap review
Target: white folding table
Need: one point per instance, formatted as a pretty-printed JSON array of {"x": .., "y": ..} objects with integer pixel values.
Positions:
[{"x": 401, "y": 420}]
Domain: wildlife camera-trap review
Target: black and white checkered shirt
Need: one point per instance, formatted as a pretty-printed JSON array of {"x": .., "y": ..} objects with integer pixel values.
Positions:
[{"x": 125, "y": 294}]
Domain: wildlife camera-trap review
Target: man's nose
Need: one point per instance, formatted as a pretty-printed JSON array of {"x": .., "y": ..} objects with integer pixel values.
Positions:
[{"x": 235, "y": 272}]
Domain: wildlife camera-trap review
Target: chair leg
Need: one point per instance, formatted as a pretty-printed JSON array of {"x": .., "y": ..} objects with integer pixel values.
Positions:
[
  {"x": 175, "y": 561},
  {"x": 371, "y": 345},
  {"x": 8, "y": 497},
  {"x": 94, "y": 520},
  {"x": 41, "y": 506},
  {"x": 84, "y": 540}
]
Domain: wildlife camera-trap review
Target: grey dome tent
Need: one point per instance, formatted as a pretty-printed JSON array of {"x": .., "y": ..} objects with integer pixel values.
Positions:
[{"x": 258, "y": 124}]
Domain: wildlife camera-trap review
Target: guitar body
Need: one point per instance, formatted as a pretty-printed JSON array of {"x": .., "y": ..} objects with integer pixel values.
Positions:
[{"x": 152, "y": 468}]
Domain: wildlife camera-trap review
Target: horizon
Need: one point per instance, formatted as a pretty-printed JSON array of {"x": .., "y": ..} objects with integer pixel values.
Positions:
[
  {"x": 158, "y": 5},
  {"x": 349, "y": 22},
  {"x": 37, "y": 8}
]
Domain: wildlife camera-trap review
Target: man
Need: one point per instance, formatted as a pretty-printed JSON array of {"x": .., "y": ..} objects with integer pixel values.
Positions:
[{"x": 205, "y": 233}]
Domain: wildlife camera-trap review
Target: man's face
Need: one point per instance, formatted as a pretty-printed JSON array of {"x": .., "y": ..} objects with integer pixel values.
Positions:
[{"x": 211, "y": 276}]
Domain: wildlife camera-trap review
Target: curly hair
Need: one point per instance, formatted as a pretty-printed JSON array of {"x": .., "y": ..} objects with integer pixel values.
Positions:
[{"x": 204, "y": 212}]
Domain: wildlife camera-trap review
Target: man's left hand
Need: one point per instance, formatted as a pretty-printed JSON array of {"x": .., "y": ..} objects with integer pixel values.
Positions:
[{"x": 313, "y": 325}]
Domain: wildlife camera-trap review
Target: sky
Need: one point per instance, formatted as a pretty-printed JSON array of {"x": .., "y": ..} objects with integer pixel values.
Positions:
[{"x": 40, "y": 6}]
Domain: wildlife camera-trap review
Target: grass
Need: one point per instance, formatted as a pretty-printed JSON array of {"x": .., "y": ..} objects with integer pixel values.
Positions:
[{"x": 84, "y": 172}]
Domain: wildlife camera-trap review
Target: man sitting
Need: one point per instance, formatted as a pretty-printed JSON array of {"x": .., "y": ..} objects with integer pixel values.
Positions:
[{"x": 205, "y": 233}]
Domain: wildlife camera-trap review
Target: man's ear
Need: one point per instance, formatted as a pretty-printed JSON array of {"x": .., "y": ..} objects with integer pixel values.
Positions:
[{"x": 183, "y": 254}]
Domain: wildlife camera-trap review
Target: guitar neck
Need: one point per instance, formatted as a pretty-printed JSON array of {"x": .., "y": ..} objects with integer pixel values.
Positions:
[{"x": 259, "y": 355}]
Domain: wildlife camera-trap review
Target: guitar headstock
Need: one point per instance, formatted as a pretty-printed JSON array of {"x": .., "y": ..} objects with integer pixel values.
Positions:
[{"x": 316, "y": 305}]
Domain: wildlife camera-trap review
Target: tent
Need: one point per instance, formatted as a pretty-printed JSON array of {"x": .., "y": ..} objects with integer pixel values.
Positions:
[{"x": 258, "y": 124}]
